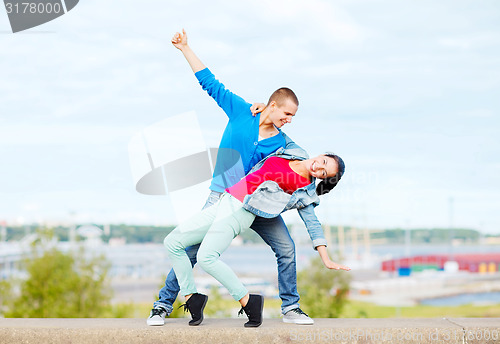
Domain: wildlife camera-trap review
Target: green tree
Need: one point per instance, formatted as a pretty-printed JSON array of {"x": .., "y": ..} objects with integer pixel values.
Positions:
[
  {"x": 62, "y": 285},
  {"x": 323, "y": 292},
  {"x": 5, "y": 295}
]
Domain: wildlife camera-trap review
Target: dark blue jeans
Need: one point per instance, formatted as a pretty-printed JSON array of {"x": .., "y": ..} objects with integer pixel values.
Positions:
[{"x": 274, "y": 232}]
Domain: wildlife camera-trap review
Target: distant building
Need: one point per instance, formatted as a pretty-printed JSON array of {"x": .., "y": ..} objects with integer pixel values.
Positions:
[{"x": 477, "y": 263}]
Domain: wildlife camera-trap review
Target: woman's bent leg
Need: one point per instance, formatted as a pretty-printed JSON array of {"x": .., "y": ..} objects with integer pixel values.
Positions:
[
  {"x": 188, "y": 233},
  {"x": 229, "y": 221},
  {"x": 168, "y": 294}
]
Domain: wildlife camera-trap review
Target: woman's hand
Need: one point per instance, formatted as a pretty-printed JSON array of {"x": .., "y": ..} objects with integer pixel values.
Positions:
[
  {"x": 180, "y": 40},
  {"x": 334, "y": 266},
  {"x": 323, "y": 253},
  {"x": 256, "y": 108}
]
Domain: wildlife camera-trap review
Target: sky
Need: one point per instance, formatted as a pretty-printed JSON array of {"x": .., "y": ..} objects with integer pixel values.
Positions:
[{"x": 406, "y": 92}]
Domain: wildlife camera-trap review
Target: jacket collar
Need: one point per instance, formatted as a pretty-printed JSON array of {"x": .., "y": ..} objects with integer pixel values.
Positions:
[{"x": 292, "y": 153}]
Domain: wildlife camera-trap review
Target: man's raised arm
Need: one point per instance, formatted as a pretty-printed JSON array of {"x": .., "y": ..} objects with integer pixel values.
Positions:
[{"x": 180, "y": 42}]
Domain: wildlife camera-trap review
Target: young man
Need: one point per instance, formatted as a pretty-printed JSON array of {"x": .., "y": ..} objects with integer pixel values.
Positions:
[{"x": 247, "y": 139}]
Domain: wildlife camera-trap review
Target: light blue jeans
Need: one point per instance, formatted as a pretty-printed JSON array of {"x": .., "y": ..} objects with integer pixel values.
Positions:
[
  {"x": 215, "y": 228},
  {"x": 274, "y": 233}
]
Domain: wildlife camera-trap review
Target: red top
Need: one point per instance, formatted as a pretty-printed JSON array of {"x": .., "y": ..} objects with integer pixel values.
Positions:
[{"x": 274, "y": 168}]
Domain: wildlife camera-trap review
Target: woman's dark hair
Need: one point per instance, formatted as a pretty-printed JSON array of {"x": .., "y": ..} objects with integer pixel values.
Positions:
[{"x": 327, "y": 184}]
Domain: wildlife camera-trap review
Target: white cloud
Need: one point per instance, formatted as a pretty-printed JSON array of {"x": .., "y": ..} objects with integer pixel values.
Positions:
[
  {"x": 403, "y": 101},
  {"x": 62, "y": 134},
  {"x": 471, "y": 41}
]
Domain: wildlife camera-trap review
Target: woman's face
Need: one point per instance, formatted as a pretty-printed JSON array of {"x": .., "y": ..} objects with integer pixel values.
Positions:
[{"x": 322, "y": 167}]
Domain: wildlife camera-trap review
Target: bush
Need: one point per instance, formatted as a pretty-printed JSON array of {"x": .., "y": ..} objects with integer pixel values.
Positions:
[
  {"x": 61, "y": 285},
  {"x": 323, "y": 292}
]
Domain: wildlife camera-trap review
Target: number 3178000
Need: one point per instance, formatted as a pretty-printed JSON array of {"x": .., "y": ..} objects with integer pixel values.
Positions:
[{"x": 32, "y": 7}]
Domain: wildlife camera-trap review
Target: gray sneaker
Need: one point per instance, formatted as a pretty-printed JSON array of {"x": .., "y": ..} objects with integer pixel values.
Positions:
[
  {"x": 297, "y": 316},
  {"x": 157, "y": 316}
]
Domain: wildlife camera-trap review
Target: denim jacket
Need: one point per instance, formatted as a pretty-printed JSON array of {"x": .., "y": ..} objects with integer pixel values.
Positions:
[{"x": 269, "y": 200}]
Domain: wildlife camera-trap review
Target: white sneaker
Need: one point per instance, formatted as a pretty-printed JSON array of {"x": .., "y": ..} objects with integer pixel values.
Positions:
[
  {"x": 297, "y": 316},
  {"x": 157, "y": 316}
]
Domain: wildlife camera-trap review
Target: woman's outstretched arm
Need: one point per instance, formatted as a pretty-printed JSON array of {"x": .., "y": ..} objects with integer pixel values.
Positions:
[{"x": 323, "y": 253}]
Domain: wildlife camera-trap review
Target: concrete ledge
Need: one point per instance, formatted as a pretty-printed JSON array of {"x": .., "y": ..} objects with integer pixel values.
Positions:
[{"x": 83, "y": 331}]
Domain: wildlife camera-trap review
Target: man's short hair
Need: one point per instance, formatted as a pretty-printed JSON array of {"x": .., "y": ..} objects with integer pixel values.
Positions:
[{"x": 281, "y": 95}]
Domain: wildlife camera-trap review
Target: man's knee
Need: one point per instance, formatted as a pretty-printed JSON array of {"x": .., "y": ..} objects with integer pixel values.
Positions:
[
  {"x": 286, "y": 251},
  {"x": 192, "y": 251}
]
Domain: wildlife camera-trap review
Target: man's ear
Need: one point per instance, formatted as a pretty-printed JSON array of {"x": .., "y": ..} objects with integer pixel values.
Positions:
[{"x": 272, "y": 104}]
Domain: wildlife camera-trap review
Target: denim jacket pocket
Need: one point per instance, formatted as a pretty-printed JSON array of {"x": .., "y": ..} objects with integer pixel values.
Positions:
[{"x": 268, "y": 199}]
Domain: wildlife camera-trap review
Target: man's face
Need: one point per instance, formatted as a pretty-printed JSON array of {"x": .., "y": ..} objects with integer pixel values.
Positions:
[{"x": 281, "y": 115}]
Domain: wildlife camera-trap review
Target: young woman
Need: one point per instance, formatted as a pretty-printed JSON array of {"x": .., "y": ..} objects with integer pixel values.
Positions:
[{"x": 282, "y": 181}]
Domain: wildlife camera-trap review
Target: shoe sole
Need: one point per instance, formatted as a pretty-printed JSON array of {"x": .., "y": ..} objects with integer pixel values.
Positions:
[
  {"x": 196, "y": 323},
  {"x": 153, "y": 323},
  {"x": 261, "y": 309},
  {"x": 298, "y": 322}
]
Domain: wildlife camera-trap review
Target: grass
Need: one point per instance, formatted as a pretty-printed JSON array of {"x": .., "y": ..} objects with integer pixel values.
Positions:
[
  {"x": 223, "y": 308},
  {"x": 358, "y": 309},
  {"x": 216, "y": 308}
]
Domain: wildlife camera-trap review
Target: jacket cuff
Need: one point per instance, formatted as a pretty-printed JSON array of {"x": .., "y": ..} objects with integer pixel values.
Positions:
[{"x": 319, "y": 242}]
